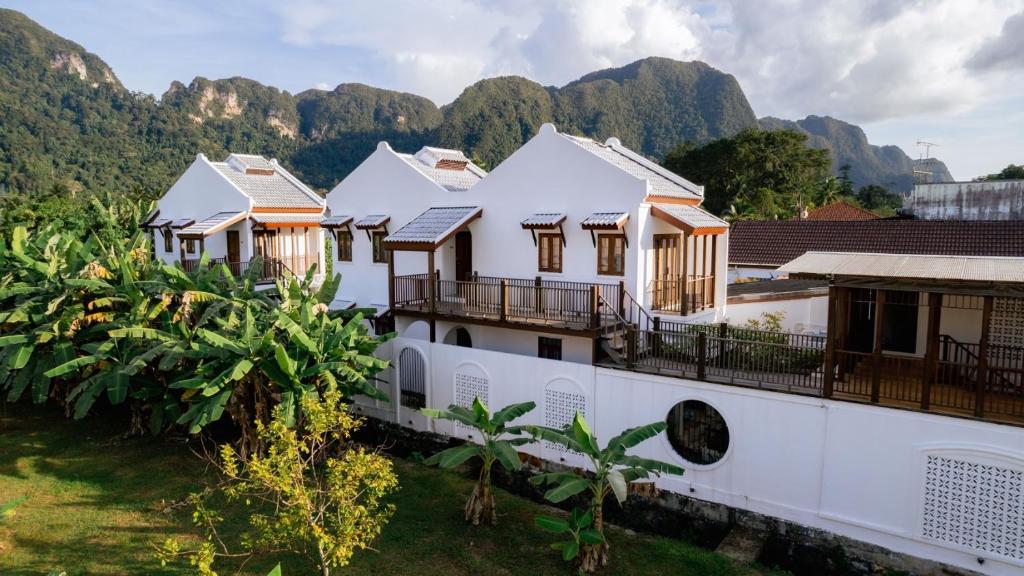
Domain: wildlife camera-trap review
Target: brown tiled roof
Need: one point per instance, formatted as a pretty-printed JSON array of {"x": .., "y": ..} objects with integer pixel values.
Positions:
[
  {"x": 773, "y": 243},
  {"x": 841, "y": 211}
]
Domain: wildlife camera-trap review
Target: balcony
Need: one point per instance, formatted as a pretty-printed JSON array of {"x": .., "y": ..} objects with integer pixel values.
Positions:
[
  {"x": 270, "y": 269},
  {"x": 684, "y": 297},
  {"x": 529, "y": 302}
]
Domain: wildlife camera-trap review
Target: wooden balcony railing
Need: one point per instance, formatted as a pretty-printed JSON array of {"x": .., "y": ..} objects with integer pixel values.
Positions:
[
  {"x": 270, "y": 269},
  {"x": 572, "y": 305},
  {"x": 682, "y": 297}
]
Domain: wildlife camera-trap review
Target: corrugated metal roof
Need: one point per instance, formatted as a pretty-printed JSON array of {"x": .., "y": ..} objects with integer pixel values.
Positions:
[
  {"x": 434, "y": 225},
  {"x": 691, "y": 216},
  {"x": 661, "y": 182},
  {"x": 278, "y": 218},
  {"x": 372, "y": 221},
  {"x": 605, "y": 219},
  {"x": 218, "y": 221},
  {"x": 336, "y": 221},
  {"x": 544, "y": 220},
  {"x": 909, "y": 266}
]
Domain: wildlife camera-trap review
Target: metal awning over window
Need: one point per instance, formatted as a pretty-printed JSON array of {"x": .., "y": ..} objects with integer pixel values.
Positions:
[
  {"x": 373, "y": 221},
  {"x": 431, "y": 229},
  {"x": 339, "y": 221},
  {"x": 181, "y": 223},
  {"x": 544, "y": 221},
  {"x": 605, "y": 221},
  {"x": 158, "y": 223},
  {"x": 211, "y": 225},
  {"x": 690, "y": 218}
]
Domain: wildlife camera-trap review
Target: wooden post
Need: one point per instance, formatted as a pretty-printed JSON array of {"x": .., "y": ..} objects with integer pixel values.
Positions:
[
  {"x": 202, "y": 245},
  {"x": 702, "y": 355},
  {"x": 685, "y": 275},
  {"x": 723, "y": 333},
  {"x": 538, "y": 293},
  {"x": 503, "y": 300},
  {"x": 979, "y": 396},
  {"x": 842, "y": 329},
  {"x": 714, "y": 267},
  {"x": 181, "y": 249},
  {"x": 830, "y": 347},
  {"x": 630, "y": 346},
  {"x": 656, "y": 336},
  {"x": 931, "y": 355},
  {"x": 431, "y": 295},
  {"x": 391, "y": 279},
  {"x": 622, "y": 299},
  {"x": 876, "y": 365},
  {"x": 595, "y": 306}
]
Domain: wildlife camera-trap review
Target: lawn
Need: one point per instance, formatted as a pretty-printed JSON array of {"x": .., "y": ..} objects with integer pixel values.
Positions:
[{"x": 98, "y": 503}]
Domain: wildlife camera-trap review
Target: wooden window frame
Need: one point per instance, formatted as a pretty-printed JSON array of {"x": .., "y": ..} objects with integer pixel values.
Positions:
[
  {"x": 380, "y": 254},
  {"x": 346, "y": 255},
  {"x": 553, "y": 241},
  {"x": 607, "y": 242},
  {"x": 549, "y": 348},
  {"x": 168, "y": 241},
  {"x": 190, "y": 246}
]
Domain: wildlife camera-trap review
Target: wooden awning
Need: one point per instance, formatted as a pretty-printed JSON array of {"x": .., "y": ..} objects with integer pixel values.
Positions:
[
  {"x": 692, "y": 219},
  {"x": 605, "y": 221}
]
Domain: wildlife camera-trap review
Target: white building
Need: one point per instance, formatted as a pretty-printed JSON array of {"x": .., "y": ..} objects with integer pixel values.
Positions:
[
  {"x": 236, "y": 210},
  {"x": 986, "y": 200}
]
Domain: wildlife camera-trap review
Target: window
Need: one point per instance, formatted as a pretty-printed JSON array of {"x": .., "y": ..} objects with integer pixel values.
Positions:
[
  {"x": 697, "y": 432},
  {"x": 611, "y": 254},
  {"x": 344, "y": 241},
  {"x": 550, "y": 348},
  {"x": 190, "y": 246},
  {"x": 380, "y": 254},
  {"x": 549, "y": 252},
  {"x": 899, "y": 321},
  {"x": 168, "y": 241}
]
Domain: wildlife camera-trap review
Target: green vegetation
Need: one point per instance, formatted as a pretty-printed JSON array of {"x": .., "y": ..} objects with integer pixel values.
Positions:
[
  {"x": 1011, "y": 172},
  {"x": 492, "y": 448},
  {"x": 98, "y": 503}
]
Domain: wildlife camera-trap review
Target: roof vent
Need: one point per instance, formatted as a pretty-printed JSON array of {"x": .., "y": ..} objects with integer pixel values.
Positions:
[
  {"x": 251, "y": 164},
  {"x": 446, "y": 164}
]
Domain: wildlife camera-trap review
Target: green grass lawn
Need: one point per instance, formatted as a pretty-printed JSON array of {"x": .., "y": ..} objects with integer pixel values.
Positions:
[{"x": 97, "y": 505}]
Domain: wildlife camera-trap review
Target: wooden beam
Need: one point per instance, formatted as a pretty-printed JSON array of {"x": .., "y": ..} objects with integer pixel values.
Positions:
[
  {"x": 876, "y": 363},
  {"x": 391, "y": 280},
  {"x": 714, "y": 267},
  {"x": 931, "y": 355},
  {"x": 986, "y": 321},
  {"x": 842, "y": 329},
  {"x": 432, "y": 284},
  {"x": 686, "y": 274}
]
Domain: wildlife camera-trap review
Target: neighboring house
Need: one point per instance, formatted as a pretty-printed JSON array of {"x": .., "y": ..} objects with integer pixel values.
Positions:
[
  {"x": 383, "y": 193},
  {"x": 758, "y": 248},
  {"x": 988, "y": 200},
  {"x": 236, "y": 210},
  {"x": 838, "y": 211}
]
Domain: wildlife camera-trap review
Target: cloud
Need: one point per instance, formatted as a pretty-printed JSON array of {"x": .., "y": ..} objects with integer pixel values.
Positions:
[
  {"x": 1005, "y": 51},
  {"x": 863, "y": 61}
]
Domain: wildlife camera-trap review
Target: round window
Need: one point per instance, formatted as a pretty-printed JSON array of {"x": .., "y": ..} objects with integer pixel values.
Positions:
[{"x": 697, "y": 432}]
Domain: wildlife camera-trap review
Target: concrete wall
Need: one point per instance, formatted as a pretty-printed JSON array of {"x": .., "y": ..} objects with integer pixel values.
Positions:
[
  {"x": 908, "y": 481},
  {"x": 801, "y": 315},
  {"x": 999, "y": 200}
]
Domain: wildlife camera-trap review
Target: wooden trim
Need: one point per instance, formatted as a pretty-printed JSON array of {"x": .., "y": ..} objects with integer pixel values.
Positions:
[
  {"x": 931, "y": 355},
  {"x": 651, "y": 198},
  {"x": 876, "y": 364},
  {"x": 693, "y": 230},
  {"x": 288, "y": 224},
  {"x": 830, "y": 343},
  {"x": 386, "y": 248},
  {"x": 292, "y": 210},
  {"x": 710, "y": 231},
  {"x": 337, "y": 244},
  {"x": 986, "y": 321},
  {"x": 554, "y": 242}
]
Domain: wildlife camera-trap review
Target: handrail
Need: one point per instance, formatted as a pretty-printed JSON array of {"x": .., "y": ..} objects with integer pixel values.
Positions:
[{"x": 993, "y": 371}]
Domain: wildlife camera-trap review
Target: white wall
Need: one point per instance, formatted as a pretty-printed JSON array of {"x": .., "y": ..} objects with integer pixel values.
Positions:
[
  {"x": 800, "y": 314},
  {"x": 737, "y": 273},
  {"x": 852, "y": 469}
]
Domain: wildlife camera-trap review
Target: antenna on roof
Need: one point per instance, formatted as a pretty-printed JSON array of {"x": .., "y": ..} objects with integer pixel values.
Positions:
[{"x": 922, "y": 173}]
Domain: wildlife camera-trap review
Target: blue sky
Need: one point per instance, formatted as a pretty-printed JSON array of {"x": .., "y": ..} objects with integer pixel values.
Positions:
[{"x": 946, "y": 71}]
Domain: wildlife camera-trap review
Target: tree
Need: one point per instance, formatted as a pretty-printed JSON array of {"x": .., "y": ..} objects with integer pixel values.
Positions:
[
  {"x": 763, "y": 174},
  {"x": 879, "y": 199},
  {"x": 312, "y": 493},
  {"x": 611, "y": 472},
  {"x": 493, "y": 447},
  {"x": 1011, "y": 172}
]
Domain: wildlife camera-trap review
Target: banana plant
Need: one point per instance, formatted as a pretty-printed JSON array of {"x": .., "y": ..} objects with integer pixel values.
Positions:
[
  {"x": 493, "y": 447},
  {"x": 611, "y": 472},
  {"x": 579, "y": 529}
]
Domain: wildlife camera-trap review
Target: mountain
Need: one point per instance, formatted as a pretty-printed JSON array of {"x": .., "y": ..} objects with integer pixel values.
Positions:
[
  {"x": 68, "y": 124},
  {"x": 888, "y": 166}
]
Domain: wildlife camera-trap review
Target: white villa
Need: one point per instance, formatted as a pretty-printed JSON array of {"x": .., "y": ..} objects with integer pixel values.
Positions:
[{"x": 236, "y": 210}]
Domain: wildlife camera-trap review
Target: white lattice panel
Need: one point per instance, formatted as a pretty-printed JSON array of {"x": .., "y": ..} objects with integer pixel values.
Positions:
[
  {"x": 978, "y": 506},
  {"x": 559, "y": 410},
  {"x": 1006, "y": 326},
  {"x": 467, "y": 388}
]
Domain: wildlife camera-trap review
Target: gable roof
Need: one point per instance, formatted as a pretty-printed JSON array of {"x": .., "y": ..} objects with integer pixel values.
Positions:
[
  {"x": 449, "y": 169},
  {"x": 773, "y": 243},
  {"x": 687, "y": 217},
  {"x": 839, "y": 211},
  {"x": 433, "y": 227},
  {"x": 660, "y": 181},
  {"x": 267, "y": 183}
]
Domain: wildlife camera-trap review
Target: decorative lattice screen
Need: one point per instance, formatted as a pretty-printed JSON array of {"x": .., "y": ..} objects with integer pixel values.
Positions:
[
  {"x": 468, "y": 387},
  {"x": 978, "y": 506},
  {"x": 559, "y": 409}
]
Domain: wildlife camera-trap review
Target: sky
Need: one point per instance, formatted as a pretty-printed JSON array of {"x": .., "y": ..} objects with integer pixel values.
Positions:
[{"x": 943, "y": 71}]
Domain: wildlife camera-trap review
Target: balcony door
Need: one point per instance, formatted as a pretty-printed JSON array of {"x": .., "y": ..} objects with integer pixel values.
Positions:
[
  {"x": 666, "y": 270},
  {"x": 464, "y": 256},
  {"x": 234, "y": 252}
]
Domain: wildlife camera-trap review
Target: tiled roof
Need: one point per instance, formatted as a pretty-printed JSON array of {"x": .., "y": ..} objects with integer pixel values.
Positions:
[
  {"x": 281, "y": 218},
  {"x": 435, "y": 225},
  {"x": 336, "y": 221},
  {"x": 839, "y": 211},
  {"x": 909, "y": 266},
  {"x": 773, "y": 243},
  {"x": 183, "y": 222},
  {"x": 661, "y": 182},
  {"x": 159, "y": 223},
  {"x": 544, "y": 220},
  {"x": 602, "y": 220},
  {"x": 427, "y": 159},
  {"x": 691, "y": 217},
  {"x": 277, "y": 190},
  {"x": 213, "y": 224},
  {"x": 372, "y": 221}
]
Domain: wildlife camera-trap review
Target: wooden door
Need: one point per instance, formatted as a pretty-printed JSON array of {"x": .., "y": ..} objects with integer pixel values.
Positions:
[
  {"x": 234, "y": 252},
  {"x": 464, "y": 256},
  {"x": 666, "y": 270}
]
